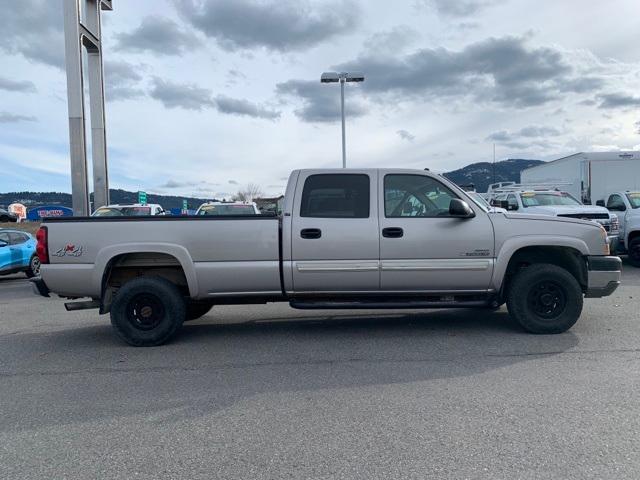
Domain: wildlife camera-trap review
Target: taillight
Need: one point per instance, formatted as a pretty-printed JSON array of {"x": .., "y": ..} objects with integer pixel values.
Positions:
[{"x": 42, "y": 248}]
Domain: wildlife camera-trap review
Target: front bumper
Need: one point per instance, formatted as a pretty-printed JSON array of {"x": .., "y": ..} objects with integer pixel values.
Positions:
[
  {"x": 613, "y": 241},
  {"x": 39, "y": 287},
  {"x": 603, "y": 276}
]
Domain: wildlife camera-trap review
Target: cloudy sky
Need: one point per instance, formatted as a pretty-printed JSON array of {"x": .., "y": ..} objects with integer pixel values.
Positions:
[{"x": 206, "y": 95}]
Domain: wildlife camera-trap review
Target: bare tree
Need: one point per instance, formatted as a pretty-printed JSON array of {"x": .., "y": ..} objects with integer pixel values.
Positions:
[{"x": 249, "y": 193}]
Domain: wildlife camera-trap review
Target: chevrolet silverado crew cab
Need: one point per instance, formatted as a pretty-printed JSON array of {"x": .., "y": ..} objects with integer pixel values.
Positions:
[{"x": 357, "y": 238}]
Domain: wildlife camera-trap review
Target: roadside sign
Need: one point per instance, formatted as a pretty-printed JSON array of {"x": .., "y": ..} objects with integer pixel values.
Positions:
[
  {"x": 185, "y": 208},
  {"x": 19, "y": 209},
  {"x": 48, "y": 211},
  {"x": 142, "y": 198}
]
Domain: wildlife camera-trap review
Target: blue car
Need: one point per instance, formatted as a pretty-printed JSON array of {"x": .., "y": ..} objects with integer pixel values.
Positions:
[{"x": 18, "y": 253}]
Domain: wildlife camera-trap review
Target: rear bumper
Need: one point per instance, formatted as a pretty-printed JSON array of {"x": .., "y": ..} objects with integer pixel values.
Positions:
[
  {"x": 39, "y": 287},
  {"x": 603, "y": 276}
]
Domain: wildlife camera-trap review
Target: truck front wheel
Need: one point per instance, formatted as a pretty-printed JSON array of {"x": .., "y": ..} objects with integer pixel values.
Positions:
[
  {"x": 544, "y": 298},
  {"x": 147, "y": 311},
  {"x": 634, "y": 252}
]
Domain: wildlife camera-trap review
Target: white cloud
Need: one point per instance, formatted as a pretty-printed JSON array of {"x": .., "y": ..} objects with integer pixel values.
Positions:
[{"x": 196, "y": 98}]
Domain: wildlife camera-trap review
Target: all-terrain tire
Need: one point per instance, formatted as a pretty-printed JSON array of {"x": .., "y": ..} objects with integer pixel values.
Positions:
[
  {"x": 147, "y": 311},
  {"x": 544, "y": 299},
  {"x": 634, "y": 252}
]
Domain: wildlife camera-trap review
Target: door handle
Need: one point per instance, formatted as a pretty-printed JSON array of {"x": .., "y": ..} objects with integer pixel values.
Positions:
[
  {"x": 310, "y": 233},
  {"x": 392, "y": 232}
]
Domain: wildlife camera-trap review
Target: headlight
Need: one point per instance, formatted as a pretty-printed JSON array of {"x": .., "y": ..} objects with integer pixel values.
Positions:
[
  {"x": 605, "y": 241},
  {"x": 615, "y": 224}
]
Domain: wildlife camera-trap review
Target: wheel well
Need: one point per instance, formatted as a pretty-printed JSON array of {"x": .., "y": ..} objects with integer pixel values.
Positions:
[
  {"x": 127, "y": 266},
  {"x": 633, "y": 236},
  {"x": 565, "y": 257}
]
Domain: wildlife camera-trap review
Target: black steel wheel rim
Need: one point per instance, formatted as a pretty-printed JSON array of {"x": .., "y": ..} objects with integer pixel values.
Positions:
[
  {"x": 145, "y": 311},
  {"x": 547, "y": 299}
]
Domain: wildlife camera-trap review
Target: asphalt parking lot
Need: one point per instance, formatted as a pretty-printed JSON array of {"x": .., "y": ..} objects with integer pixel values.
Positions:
[{"x": 271, "y": 392}]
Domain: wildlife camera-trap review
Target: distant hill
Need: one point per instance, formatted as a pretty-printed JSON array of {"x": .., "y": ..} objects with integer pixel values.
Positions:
[
  {"x": 481, "y": 174},
  {"x": 34, "y": 199}
]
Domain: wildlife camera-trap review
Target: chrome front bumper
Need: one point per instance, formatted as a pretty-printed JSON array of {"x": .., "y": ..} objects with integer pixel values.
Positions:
[{"x": 603, "y": 276}]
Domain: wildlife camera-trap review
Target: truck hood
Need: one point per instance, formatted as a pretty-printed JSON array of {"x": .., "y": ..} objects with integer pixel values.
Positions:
[
  {"x": 550, "y": 218},
  {"x": 566, "y": 209}
]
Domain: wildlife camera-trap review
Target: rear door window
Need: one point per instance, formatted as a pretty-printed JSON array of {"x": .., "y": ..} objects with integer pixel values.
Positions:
[{"x": 336, "y": 196}]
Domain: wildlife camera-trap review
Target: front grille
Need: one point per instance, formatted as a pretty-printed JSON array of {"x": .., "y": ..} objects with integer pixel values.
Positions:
[{"x": 586, "y": 216}]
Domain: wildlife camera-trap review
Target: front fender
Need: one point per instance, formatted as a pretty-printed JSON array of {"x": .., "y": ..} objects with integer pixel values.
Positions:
[
  {"x": 631, "y": 226},
  {"x": 513, "y": 244},
  {"x": 180, "y": 253}
]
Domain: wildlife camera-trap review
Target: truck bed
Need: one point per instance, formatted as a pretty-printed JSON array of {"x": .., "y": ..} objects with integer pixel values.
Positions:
[{"x": 220, "y": 256}]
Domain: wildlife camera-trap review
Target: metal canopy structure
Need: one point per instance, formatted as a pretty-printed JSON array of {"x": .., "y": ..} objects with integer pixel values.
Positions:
[{"x": 82, "y": 29}]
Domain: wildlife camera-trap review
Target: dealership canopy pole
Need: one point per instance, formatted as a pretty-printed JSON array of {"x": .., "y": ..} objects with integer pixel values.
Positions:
[{"x": 82, "y": 28}]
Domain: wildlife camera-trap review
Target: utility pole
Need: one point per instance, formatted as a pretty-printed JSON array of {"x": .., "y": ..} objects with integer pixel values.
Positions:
[
  {"x": 494, "y": 163},
  {"x": 344, "y": 141}
]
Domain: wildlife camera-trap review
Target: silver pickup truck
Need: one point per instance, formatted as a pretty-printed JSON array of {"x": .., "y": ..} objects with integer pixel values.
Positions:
[{"x": 356, "y": 238}]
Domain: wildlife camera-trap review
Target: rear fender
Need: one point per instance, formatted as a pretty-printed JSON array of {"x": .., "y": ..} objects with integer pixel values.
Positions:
[{"x": 107, "y": 254}]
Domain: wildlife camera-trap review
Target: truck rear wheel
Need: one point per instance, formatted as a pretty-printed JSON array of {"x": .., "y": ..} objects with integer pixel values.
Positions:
[
  {"x": 545, "y": 298},
  {"x": 634, "y": 252},
  {"x": 147, "y": 311}
]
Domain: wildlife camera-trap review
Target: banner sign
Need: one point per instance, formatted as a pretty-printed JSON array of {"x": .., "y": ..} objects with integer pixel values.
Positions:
[{"x": 48, "y": 211}]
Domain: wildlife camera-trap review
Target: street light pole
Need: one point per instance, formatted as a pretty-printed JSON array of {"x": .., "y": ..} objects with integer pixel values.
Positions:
[
  {"x": 344, "y": 141},
  {"x": 343, "y": 77}
]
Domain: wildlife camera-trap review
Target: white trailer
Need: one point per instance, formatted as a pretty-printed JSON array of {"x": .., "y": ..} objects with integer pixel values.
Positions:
[{"x": 589, "y": 176}]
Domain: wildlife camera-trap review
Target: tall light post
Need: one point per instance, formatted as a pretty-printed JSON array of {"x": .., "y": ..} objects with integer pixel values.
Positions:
[{"x": 342, "y": 77}]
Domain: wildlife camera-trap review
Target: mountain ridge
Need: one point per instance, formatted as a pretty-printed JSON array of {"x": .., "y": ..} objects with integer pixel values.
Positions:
[{"x": 480, "y": 174}]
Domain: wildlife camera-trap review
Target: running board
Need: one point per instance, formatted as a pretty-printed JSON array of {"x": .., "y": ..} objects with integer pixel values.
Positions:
[
  {"x": 84, "y": 305},
  {"x": 332, "y": 305}
]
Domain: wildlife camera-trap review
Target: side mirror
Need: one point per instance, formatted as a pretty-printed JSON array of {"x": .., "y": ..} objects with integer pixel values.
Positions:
[
  {"x": 3, "y": 243},
  {"x": 600, "y": 203},
  {"x": 460, "y": 209},
  {"x": 503, "y": 204}
]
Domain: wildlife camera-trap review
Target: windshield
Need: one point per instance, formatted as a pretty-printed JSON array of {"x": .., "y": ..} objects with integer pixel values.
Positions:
[
  {"x": 533, "y": 199},
  {"x": 634, "y": 199},
  {"x": 227, "y": 210},
  {"x": 480, "y": 200},
  {"x": 122, "y": 212}
]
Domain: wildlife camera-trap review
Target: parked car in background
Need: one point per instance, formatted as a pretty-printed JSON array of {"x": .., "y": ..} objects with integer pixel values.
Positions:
[
  {"x": 6, "y": 216},
  {"x": 228, "y": 208},
  {"x": 627, "y": 206},
  {"x": 133, "y": 210},
  {"x": 18, "y": 253},
  {"x": 544, "y": 200}
]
